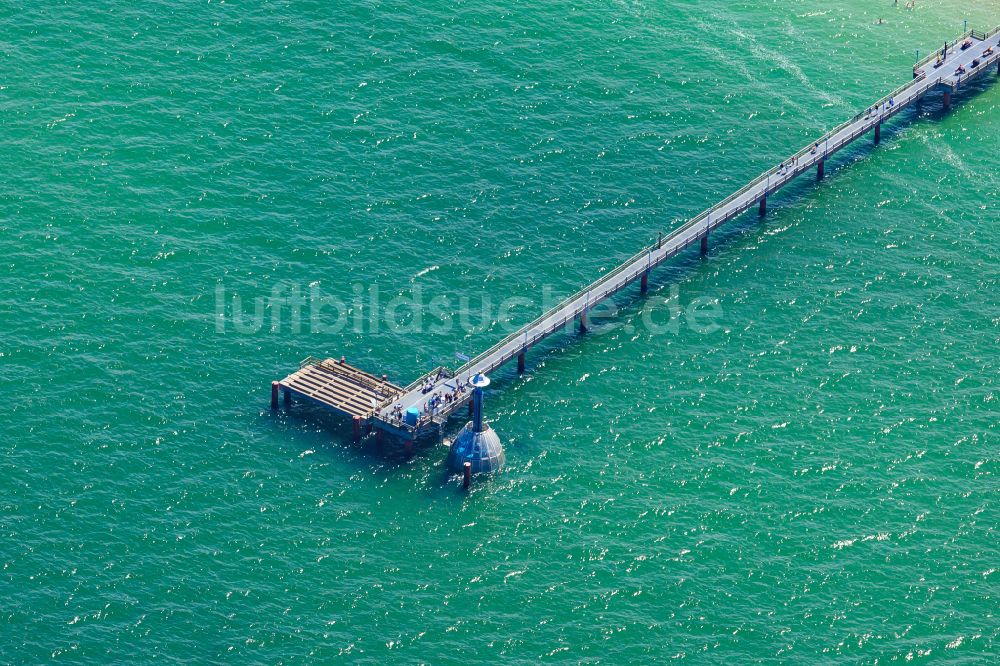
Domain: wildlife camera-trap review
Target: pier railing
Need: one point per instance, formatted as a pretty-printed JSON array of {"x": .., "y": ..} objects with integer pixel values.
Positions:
[
  {"x": 307, "y": 361},
  {"x": 598, "y": 291},
  {"x": 682, "y": 236},
  {"x": 820, "y": 146},
  {"x": 513, "y": 337}
]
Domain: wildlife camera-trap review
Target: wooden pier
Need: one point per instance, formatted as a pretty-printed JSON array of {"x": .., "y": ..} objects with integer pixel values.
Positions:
[
  {"x": 440, "y": 393},
  {"x": 337, "y": 386}
]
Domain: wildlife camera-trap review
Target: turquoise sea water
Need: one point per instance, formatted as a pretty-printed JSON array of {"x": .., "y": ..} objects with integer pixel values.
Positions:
[{"x": 809, "y": 475}]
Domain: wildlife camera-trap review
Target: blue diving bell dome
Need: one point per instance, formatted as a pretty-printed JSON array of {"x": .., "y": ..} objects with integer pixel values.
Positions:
[
  {"x": 482, "y": 449},
  {"x": 477, "y": 442}
]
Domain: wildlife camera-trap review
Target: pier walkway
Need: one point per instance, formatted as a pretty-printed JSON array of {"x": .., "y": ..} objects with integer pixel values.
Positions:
[{"x": 948, "y": 69}]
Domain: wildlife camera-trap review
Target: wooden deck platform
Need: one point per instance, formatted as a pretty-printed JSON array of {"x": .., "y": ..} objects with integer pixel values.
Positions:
[{"x": 341, "y": 387}]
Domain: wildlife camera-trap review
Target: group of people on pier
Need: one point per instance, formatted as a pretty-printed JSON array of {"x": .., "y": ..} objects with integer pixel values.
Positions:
[
  {"x": 396, "y": 412},
  {"x": 790, "y": 165},
  {"x": 429, "y": 383},
  {"x": 880, "y": 108},
  {"x": 438, "y": 402},
  {"x": 445, "y": 398}
]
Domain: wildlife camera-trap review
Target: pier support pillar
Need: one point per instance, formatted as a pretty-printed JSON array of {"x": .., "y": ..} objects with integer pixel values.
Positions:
[
  {"x": 379, "y": 437},
  {"x": 878, "y": 133},
  {"x": 357, "y": 428},
  {"x": 644, "y": 283},
  {"x": 472, "y": 408},
  {"x": 274, "y": 394},
  {"x": 947, "y": 100},
  {"x": 821, "y": 169},
  {"x": 763, "y": 206},
  {"x": 583, "y": 321},
  {"x": 466, "y": 474},
  {"x": 288, "y": 398},
  {"x": 520, "y": 363},
  {"x": 704, "y": 244},
  {"x": 408, "y": 447}
]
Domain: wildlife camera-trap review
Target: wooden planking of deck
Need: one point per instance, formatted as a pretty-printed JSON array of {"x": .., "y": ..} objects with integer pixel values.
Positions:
[{"x": 341, "y": 387}]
